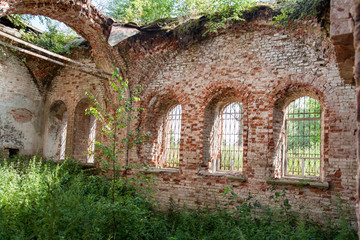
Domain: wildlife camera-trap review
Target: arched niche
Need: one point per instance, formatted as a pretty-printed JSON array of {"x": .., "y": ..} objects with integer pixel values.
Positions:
[
  {"x": 56, "y": 131},
  {"x": 84, "y": 133}
]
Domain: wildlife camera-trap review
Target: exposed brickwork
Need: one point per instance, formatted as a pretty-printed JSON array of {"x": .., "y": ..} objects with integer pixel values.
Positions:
[
  {"x": 265, "y": 69},
  {"x": 69, "y": 87},
  {"x": 21, "y": 115},
  {"x": 341, "y": 30},
  {"x": 257, "y": 64},
  {"x": 356, "y": 14}
]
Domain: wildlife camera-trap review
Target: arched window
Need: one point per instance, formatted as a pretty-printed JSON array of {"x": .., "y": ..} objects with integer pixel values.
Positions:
[
  {"x": 230, "y": 157},
  {"x": 302, "y": 153},
  {"x": 172, "y": 137}
]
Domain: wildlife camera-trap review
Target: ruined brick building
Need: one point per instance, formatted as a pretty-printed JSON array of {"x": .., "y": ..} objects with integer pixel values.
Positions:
[{"x": 202, "y": 93}]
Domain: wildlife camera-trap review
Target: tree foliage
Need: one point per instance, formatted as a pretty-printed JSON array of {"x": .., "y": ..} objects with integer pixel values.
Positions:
[
  {"x": 53, "y": 38},
  {"x": 304, "y": 130}
]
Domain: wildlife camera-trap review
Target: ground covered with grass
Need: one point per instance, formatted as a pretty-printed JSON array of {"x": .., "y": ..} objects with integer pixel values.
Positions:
[{"x": 44, "y": 200}]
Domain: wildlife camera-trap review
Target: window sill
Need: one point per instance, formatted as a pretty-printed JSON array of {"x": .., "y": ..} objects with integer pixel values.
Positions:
[
  {"x": 232, "y": 177},
  {"x": 153, "y": 170},
  {"x": 300, "y": 183}
]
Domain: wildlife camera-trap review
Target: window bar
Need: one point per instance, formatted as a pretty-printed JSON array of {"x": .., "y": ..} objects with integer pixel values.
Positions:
[
  {"x": 303, "y": 138},
  {"x": 173, "y": 134},
  {"x": 231, "y": 152}
]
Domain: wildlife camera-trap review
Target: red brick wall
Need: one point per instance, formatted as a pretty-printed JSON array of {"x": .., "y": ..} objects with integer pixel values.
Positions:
[{"x": 263, "y": 67}]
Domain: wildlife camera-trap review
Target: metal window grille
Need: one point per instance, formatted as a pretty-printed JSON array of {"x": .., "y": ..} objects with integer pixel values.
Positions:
[
  {"x": 303, "y": 138},
  {"x": 231, "y": 153},
  {"x": 172, "y": 137}
]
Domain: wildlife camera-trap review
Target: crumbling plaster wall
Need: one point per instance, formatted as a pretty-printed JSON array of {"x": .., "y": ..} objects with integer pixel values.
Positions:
[
  {"x": 258, "y": 65},
  {"x": 20, "y": 107}
]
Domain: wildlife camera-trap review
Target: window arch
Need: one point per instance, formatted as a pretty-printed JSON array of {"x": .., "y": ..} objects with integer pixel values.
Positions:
[
  {"x": 171, "y": 154},
  {"x": 302, "y": 150}
]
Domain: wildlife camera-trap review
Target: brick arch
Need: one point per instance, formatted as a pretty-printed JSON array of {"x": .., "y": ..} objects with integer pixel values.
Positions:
[
  {"x": 80, "y": 15},
  {"x": 157, "y": 105},
  {"x": 160, "y": 101},
  {"x": 220, "y": 89},
  {"x": 217, "y": 97},
  {"x": 279, "y": 102},
  {"x": 285, "y": 95}
]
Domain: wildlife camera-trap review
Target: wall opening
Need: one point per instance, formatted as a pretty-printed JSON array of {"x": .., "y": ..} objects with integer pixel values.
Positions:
[
  {"x": 298, "y": 141},
  {"x": 224, "y": 133},
  {"x": 172, "y": 137},
  {"x": 302, "y": 150},
  {"x": 11, "y": 152},
  {"x": 230, "y": 157}
]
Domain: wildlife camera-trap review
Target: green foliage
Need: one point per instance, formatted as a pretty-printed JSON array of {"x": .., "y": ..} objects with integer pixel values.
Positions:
[
  {"x": 295, "y": 10},
  {"x": 43, "y": 200},
  {"x": 303, "y": 130},
  {"x": 115, "y": 119},
  {"x": 52, "y": 39},
  {"x": 140, "y": 11},
  {"x": 219, "y": 12}
]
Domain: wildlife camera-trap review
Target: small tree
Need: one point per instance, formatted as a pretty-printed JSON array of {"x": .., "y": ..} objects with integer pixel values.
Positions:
[{"x": 116, "y": 137}]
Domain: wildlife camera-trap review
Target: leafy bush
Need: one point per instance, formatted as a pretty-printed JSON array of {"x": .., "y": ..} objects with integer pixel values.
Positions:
[
  {"x": 295, "y": 10},
  {"x": 44, "y": 200}
]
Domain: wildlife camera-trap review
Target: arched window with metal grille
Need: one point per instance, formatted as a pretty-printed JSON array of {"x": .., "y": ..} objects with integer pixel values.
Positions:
[
  {"x": 302, "y": 155},
  {"x": 172, "y": 138},
  {"x": 230, "y": 157}
]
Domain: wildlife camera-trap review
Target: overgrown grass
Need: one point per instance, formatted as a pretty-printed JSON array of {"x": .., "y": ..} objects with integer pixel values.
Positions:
[{"x": 43, "y": 200}]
